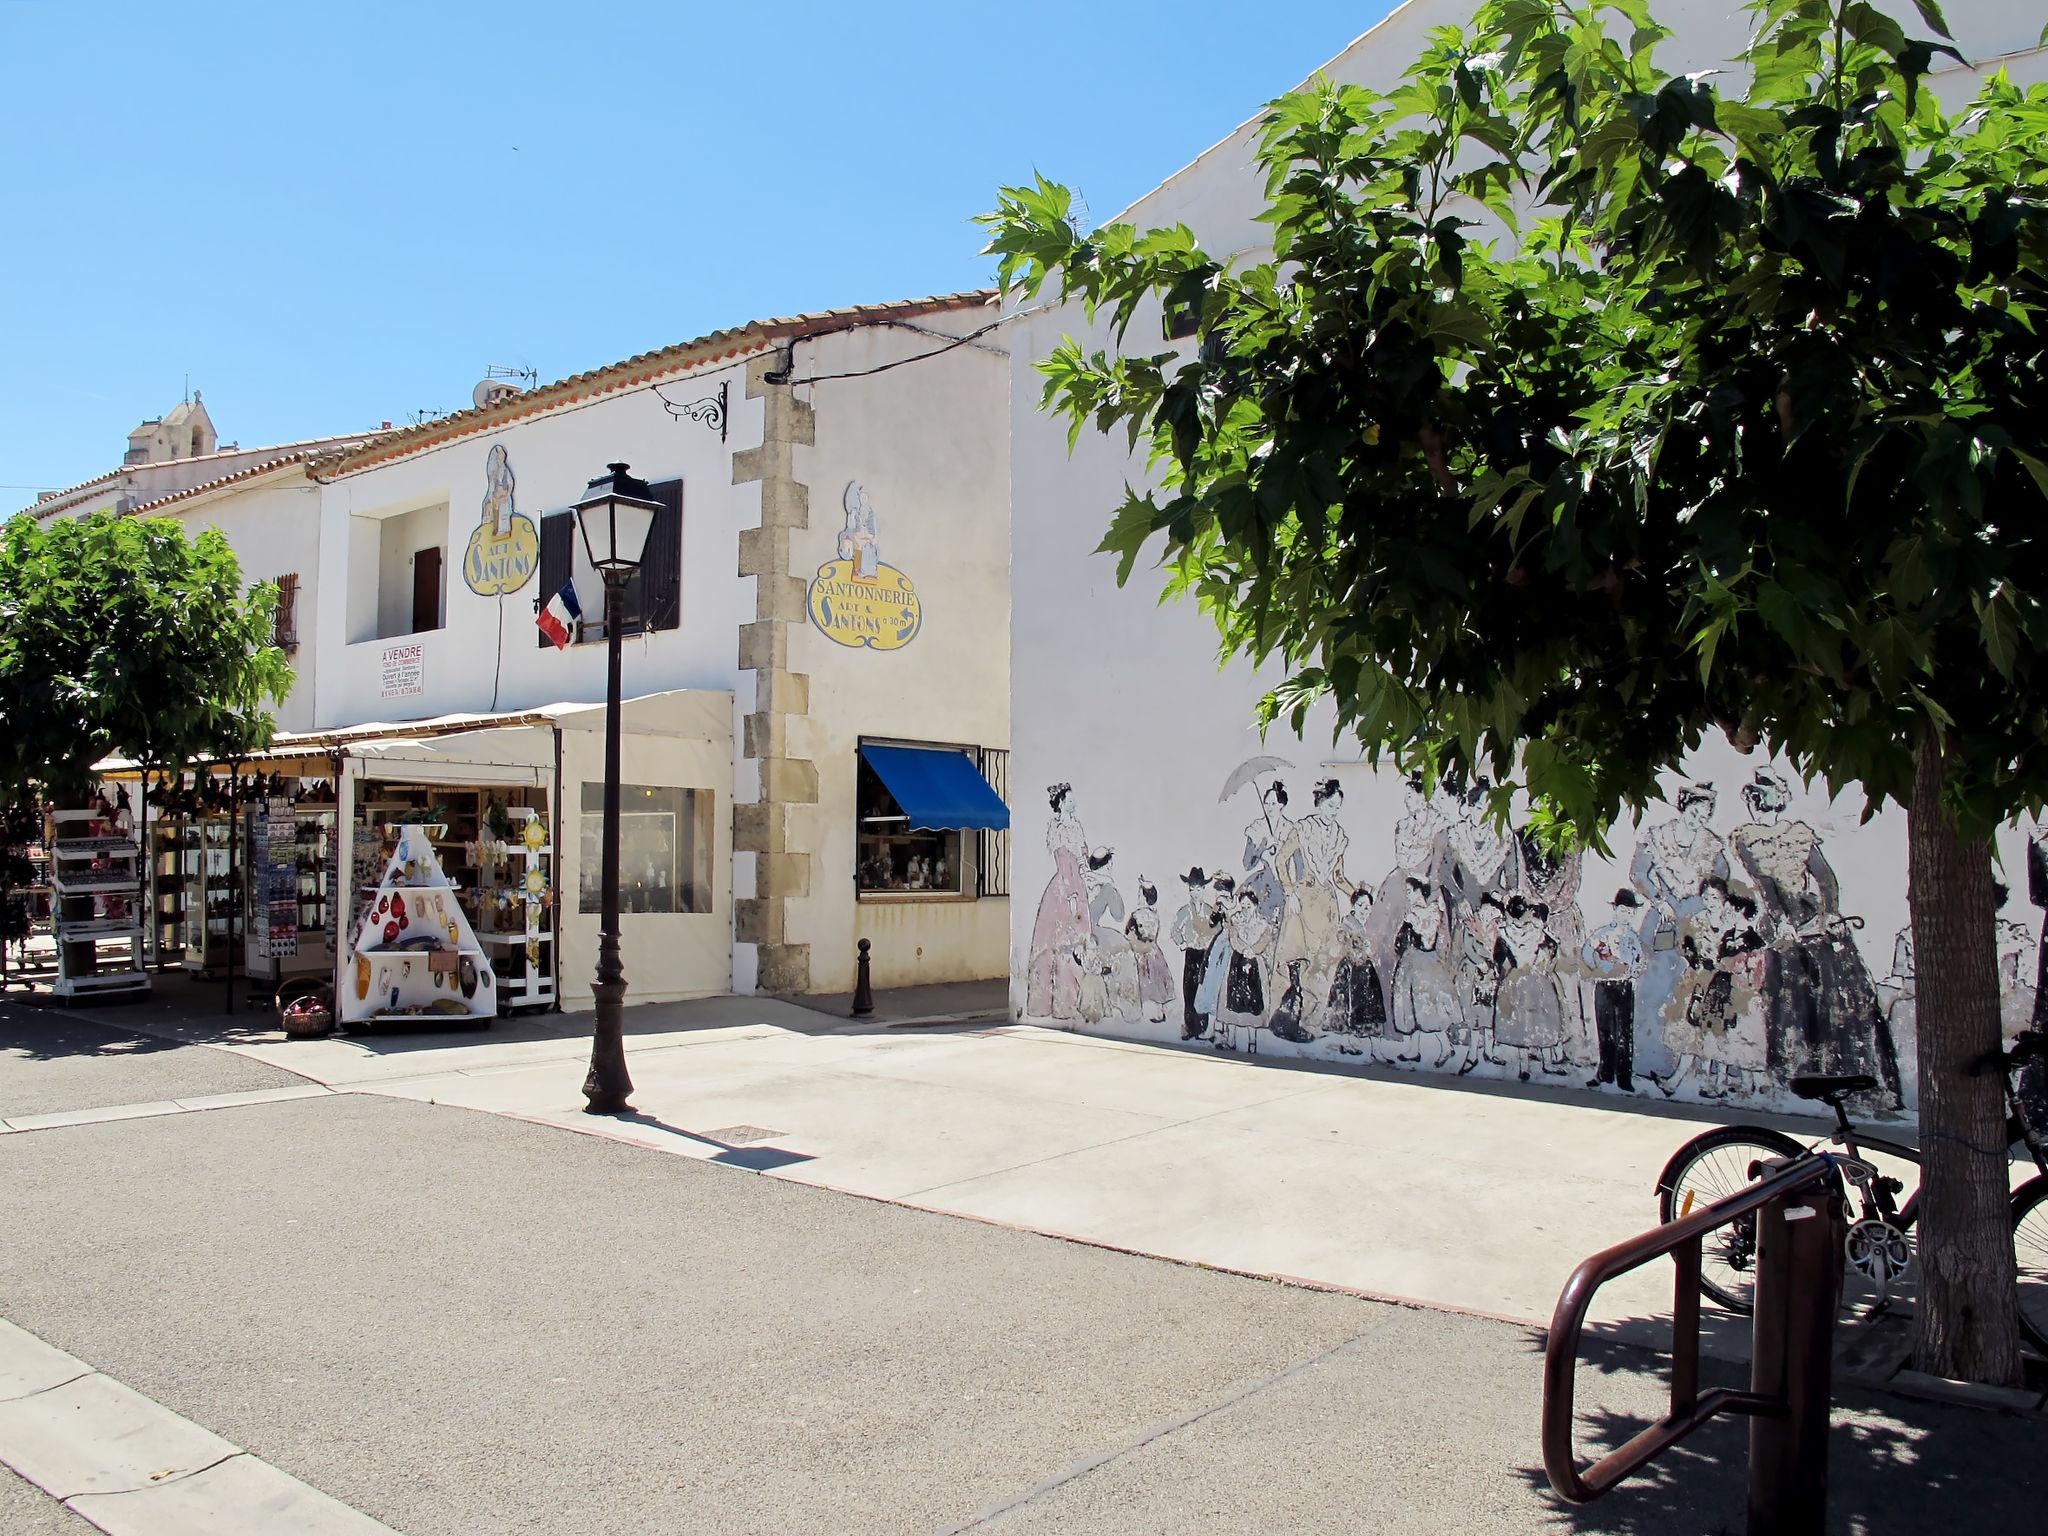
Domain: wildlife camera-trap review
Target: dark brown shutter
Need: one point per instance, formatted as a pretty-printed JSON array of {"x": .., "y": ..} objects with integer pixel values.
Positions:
[
  {"x": 426, "y": 589},
  {"x": 557, "y": 556},
  {"x": 287, "y": 636},
  {"x": 661, "y": 574}
]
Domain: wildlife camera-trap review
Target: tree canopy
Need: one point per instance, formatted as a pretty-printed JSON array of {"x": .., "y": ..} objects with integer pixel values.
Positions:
[
  {"x": 120, "y": 635},
  {"x": 1582, "y": 407}
]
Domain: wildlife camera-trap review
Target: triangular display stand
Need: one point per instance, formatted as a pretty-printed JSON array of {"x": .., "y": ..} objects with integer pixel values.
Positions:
[{"x": 415, "y": 957}]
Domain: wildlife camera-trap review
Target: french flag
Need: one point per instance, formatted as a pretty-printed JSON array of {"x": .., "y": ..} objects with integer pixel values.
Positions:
[{"x": 559, "y": 618}]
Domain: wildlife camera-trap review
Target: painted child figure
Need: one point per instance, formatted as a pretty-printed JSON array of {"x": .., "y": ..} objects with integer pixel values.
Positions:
[
  {"x": 1195, "y": 928},
  {"x": 1155, "y": 976},
  {"x": 1357, "y": 1001},
  {"x": 1241, "y": 1012}
]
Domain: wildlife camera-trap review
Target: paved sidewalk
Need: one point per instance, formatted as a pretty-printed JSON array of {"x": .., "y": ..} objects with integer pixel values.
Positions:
[
  {"x": 463, "y": 1324},
  {"x": 1479, "y": 1197}
]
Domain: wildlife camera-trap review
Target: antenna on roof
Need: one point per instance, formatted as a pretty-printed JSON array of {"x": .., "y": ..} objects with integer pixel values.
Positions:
[{"x": 502, "y": 383}]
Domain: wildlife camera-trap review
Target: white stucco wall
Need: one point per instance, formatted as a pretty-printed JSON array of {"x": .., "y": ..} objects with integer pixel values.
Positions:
[
  {"x": 1123, "y": 699},
  {"x": 929, "y": 442}
]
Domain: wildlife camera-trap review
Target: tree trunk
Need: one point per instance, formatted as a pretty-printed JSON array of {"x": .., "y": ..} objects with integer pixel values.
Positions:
[{"x": 1969, "y": 1301}]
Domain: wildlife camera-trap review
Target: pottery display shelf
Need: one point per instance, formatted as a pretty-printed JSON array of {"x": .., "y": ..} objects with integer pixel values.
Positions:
[{"x": 415, "y": 957}]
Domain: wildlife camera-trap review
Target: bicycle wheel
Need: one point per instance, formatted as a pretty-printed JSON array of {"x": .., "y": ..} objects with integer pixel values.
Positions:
[
  {"x": 2030, "y": 1251},
  {"x": 1712, "y": 1167}
]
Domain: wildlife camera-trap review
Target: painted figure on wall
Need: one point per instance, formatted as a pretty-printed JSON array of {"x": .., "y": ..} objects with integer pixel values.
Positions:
[
  {"x": 1357, "y": 1002},
  {"x": 1419, "y": 850},
  {"x": 1195, "y": 928},
  {"x": 858, "y": 540},
  {"x": 1721, "y": 1042},
  {"x": 1821, "y": 1009},
  {"x": 1155, "y": 976},
  {"x": 1263, "y": 840},
  {"x": 1241, "y": 1011},
  {"x": 1612, "y": 957},
  {"x": 1529, "y": 1004},
  {"x": 1672, "y": 866},
  {"x": 1315, "y": 894},
  {"x": 1060, "y": 936},
  {"x": 1109, "y": 948},
  {"x": 1425, "y": 998}
]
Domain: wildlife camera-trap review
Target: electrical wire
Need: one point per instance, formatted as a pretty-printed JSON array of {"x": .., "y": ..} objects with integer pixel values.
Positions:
[{"x": 781, "y": 376}]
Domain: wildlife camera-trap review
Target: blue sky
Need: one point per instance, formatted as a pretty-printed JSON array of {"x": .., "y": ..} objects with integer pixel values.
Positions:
[{"x": 330, "y": 216}]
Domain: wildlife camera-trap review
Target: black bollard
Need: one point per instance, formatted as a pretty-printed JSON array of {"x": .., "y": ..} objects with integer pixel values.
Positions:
[{"x": 863, "y": 988}]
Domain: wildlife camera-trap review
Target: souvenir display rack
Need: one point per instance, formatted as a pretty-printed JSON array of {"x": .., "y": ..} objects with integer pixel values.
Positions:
[
  {"x": 92, "y": 861},
  {"x": 516, "y": 907},
  {"x": 167, "y": 926},
  {"x": 469, "y": 825},
  {"x": 289, "y": 935},
  {"x": 211, "y": 897},
  {"x": 415, "y": 955}
]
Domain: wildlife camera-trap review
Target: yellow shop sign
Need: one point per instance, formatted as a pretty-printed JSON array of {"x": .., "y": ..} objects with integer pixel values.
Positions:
[{"x": 880, "y": 611}]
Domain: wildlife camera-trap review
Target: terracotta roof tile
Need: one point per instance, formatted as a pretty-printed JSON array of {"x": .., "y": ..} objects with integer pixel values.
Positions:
[{"x": 718, "y": 346}]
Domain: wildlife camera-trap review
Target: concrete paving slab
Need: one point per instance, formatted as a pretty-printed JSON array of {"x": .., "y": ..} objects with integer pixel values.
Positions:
[
  {"x": 240, "y": 1497},
  {"x": 95, "y": 1435},
  {"x": 28, "y": 1365},
  {"x": 94, "y": 1116}
]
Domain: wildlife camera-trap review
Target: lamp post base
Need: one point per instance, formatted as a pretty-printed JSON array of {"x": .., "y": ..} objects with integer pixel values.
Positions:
[{"x": 607, "y": 1086}]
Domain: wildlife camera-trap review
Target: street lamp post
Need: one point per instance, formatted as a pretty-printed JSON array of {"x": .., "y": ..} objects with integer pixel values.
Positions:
[{"x": 615, "y": 514}]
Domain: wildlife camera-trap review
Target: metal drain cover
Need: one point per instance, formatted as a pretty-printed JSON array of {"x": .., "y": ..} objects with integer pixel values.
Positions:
[{"x": 740, "y": 1135}]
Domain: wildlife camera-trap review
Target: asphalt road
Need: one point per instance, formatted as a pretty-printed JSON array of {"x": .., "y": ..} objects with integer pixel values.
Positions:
[
  {"x": 467, "y": 1324},
  {"x": 51, "y": 1061},
  {"x": 25, "y": 1510}
]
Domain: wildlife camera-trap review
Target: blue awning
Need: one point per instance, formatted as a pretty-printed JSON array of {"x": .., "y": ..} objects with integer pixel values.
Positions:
[{"x": 939, "y": 790}]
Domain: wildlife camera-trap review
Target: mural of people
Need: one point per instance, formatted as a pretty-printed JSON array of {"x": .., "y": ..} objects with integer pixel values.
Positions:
[
  {"x": 1357, "y": 1002},
  {"x": 1821, "y": 1008},
  {"x": 1723, "y": 966},
  {"x": 1195, "y": 928},
  {"x": 1612, "y": 957},
  {"x": 1155, "y": 976},
  {"x": 1672, "y": 865},
  {"x": 2018, "y": 999},
  {"x": 1062, "y": 932}
]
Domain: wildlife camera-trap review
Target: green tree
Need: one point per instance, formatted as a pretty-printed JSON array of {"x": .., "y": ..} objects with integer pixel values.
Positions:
[
  {"x": 1583, "y": 408},
  {"x": 120, "y": 635}
]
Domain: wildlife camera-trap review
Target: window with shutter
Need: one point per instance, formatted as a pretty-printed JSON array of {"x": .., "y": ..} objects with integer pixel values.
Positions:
[
  {"x": 557, "y": 560},
  {"x": 286, "y": 636},
  {"x": 661, "y": 573}
]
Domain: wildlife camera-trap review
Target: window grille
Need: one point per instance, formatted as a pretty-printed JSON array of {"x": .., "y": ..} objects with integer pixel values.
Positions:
[{"x": 992, "y": 852}]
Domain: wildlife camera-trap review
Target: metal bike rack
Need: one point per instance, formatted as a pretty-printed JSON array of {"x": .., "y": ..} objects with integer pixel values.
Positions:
[{"x": 1801, "y": 1220}]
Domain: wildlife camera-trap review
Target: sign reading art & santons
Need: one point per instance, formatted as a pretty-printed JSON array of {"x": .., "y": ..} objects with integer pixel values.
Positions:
[
  {"x": 856, "y": 600},
  {"x": 504, "y": 547}
]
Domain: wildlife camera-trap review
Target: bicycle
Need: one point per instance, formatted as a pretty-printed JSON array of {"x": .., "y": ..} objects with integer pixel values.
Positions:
[{"x": 1879, "y": 1247}]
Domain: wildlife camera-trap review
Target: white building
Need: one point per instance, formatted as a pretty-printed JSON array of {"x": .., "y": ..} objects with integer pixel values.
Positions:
[
  {"x": 1479, "y": 957},
  {"x": 829, "y": 577}
]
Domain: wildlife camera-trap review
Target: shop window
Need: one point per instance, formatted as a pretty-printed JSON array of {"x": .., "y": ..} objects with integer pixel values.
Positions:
[
  {"x": 286, "y": 636},
  {"x": 920, "y": 812},
  {"x": 653, "y": 594},
  {"x": 665, "y": 849}
]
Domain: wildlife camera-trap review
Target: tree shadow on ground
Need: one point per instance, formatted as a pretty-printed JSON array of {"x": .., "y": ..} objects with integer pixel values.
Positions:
[
  {"x": 46, "y": 1035},
  {"x": 1896, "y": 1467}
]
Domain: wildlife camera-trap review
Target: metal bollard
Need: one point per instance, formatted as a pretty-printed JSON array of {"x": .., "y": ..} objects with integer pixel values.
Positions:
[
  {"x": 863, "y": 988},
  {"x": 1798, "y": 1289}
]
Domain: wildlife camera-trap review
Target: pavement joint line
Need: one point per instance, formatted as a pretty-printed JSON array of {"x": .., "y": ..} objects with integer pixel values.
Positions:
[
  {"x": 157, "y": 1109},
  {"x": 1166, "y": 1427},
  {"x": 84, "y": 1372}
]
